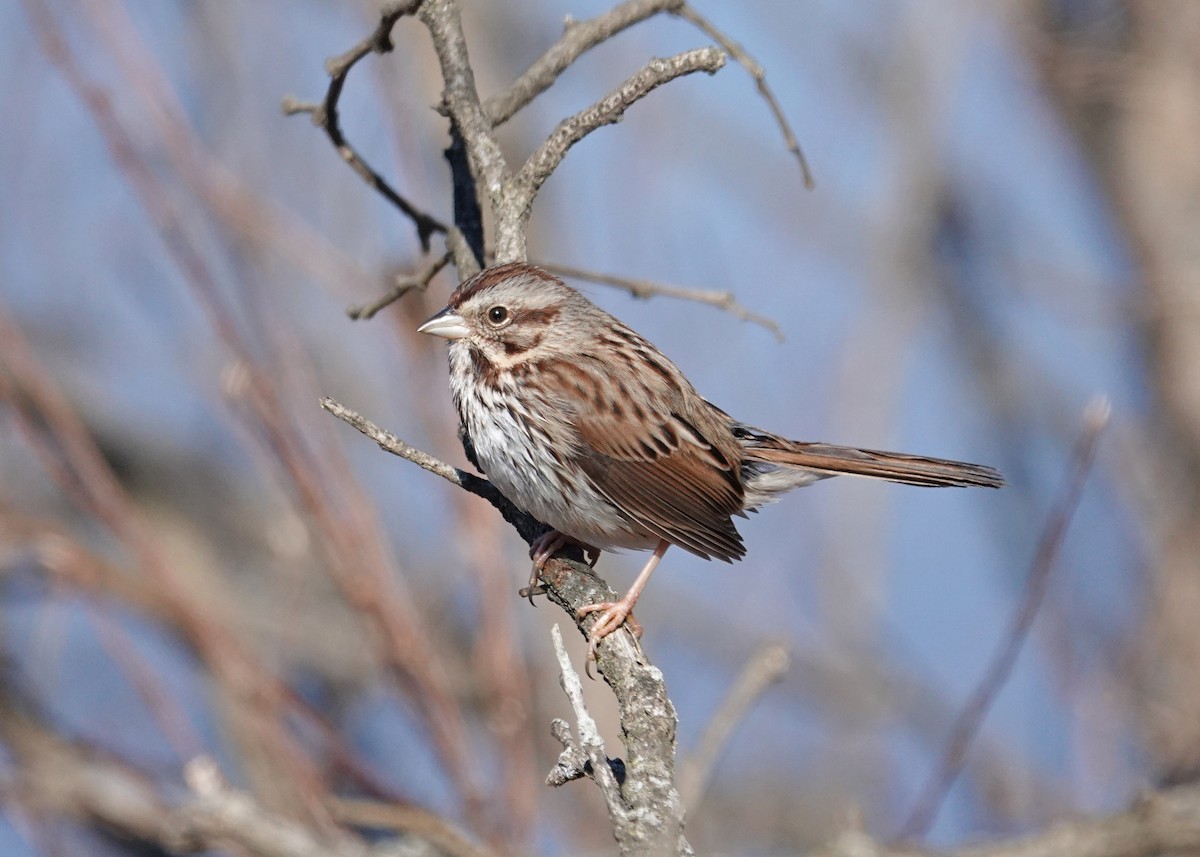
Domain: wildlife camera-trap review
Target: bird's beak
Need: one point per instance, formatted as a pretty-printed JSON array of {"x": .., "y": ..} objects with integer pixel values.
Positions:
[{"x": 447, "y": 324}]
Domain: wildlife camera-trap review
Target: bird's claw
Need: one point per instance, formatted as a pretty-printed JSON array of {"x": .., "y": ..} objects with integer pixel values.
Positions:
[
  {"x": 613, "y": 614},
  {"x": 546, "y": 546}
]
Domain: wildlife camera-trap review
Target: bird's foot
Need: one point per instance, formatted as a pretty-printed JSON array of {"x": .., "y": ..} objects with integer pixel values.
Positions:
[
  {"x": 543, "y": 548},
  {"x": 613, "y": 614}
]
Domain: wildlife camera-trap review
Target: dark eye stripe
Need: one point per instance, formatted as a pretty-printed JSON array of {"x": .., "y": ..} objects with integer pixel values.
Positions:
[{"x": 538, "y": 316}]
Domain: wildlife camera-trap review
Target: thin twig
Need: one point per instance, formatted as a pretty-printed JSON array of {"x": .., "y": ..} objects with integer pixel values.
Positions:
[
  {"x": 526, "y": 526},
  {"x": 578, "y": 37},
  {"x": 572, "y": 762},
  {"x": 646, "y": 289},
  {"x": 390, "y": 443},
  {"x": 606, "y": 111},
  {"x": 765, "y": 667},
  {"x": 755, "y": 70},
  {"x": 417, "y": 281},
  {"x": 325, "y": 116},
  {"x": 1095, "y": 418},
  {"x": 589, "y": 735}
]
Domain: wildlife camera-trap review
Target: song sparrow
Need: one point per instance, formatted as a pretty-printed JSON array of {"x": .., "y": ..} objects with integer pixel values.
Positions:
[{"x": 585, "y": 425}]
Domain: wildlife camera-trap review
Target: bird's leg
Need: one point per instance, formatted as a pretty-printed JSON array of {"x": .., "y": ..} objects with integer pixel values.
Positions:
[
  {"x": 547, "y": 545},
  {"x": 617, "y": 613}
]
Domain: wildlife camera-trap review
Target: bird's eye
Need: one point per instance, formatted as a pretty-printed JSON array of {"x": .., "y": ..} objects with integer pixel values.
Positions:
[{"x": 498, "y": 315}]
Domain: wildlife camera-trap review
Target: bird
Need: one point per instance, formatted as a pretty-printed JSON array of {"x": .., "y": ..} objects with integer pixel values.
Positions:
[{"x": 584, "y": 424}]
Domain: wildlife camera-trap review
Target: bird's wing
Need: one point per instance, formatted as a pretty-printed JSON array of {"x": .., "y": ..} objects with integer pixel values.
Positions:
[{"x": 664, "y": 457}]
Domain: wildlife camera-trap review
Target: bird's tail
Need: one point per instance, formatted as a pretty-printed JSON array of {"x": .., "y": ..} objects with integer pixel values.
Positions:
[{"x": 823, "y": 459}]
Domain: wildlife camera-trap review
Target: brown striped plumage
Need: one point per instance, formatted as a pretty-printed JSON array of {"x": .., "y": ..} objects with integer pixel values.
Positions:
[{"x": 587, "y": 426}]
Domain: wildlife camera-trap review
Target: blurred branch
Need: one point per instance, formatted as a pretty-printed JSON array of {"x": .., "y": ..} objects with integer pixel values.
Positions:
[
  {"x": 238, "y": 205},
  {"x": 646, "y": 289},
  {"x": 69, "y": 780},
  {"x": 1163, "y": 822},
  {"x": 64, "y": 443},
  {"x": 412, "y": 820},
  {"x": 326, "y": 117},
  {"x": 356, "y": 558},
  {"x": 760, "y": 80},
  {"x": 766, "y": 665},
  {"x": 1095, "y": 418}
]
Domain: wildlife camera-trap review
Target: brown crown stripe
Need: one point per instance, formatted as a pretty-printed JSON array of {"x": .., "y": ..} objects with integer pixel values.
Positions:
[{"x": 491, "y": 276}]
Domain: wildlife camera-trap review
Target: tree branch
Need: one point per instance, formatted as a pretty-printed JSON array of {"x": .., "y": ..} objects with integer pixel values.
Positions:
[
  {"x": 578, "y": 38},
  {"x": 74, "y": 781},
  {"x": 418, "y": 281},
  {"x": 646, "y": 289},
  {"x": 460, "y": 100},
  {"x": 607, "y": 111},
  {"x": 325, "y": 116},
  {"x": 590, "y": 741},
  {"x": 760, "y": 80},
  {"x": 1163, "y": 822}
]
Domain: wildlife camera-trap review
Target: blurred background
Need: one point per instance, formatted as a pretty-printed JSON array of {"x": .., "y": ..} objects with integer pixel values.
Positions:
[{"x": 197, "y": 559}]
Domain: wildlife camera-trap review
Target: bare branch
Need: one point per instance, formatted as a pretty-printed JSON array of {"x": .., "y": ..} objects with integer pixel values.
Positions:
[
  {"x": 526, "y": 526},
  {"x": 578, "y": 38},
  {"x": 607, "y": 111},
  {"x": 1095, "y": 418},
  {"x": 589, "y": 735},
  {"x": 646, "y": 289},
  {"x": 460, "y": 99},
  {"x": 417, "y": 281},
  {"x": 766, "y": 666},
  {"x": 325, "y": 116},
  {"x": 390, "y": 443},
  {"x": 760, "y": 80}
]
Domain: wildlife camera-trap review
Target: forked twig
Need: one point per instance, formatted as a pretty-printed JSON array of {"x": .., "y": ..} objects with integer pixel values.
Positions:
[
  {"x": 417, "y": 281},
  {"x": 1095, "y": 418},
  {"x": 578, "y": 38},
  {"x": 589, "y": 735},
  {"x": 325, "y": 116},
  {"x": 646, "y": 289},
  {"x": 606, "y": 111}
]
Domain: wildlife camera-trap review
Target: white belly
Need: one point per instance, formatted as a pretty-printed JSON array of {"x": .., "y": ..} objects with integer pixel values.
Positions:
[{"x": 517, "y": 455}]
